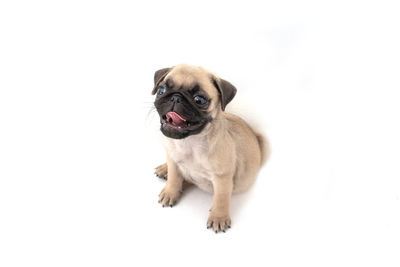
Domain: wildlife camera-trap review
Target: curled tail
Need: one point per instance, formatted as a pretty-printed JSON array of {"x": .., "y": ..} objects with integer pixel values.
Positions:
[{"x": 264, "y": 147}]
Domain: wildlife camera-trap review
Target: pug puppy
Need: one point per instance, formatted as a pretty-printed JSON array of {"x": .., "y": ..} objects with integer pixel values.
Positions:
[{"x": 217, "y": 151}]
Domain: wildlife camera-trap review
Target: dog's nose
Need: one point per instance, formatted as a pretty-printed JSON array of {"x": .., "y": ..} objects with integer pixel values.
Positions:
[{"x": 176, "y": 98}]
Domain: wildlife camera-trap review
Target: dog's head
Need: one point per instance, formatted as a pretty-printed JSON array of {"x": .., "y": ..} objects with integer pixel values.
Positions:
[{"x": 188, "y": 98}]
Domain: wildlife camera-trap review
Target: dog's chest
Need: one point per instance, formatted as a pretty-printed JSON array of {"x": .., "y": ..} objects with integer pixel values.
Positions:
[{"x": 191, "y": 156}]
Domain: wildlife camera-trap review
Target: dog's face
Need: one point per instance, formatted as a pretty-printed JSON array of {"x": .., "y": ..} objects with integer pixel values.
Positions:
[{"x": 188, "y": 98}]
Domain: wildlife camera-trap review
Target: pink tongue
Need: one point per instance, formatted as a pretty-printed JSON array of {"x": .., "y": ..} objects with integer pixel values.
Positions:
[{"x": 176, "y": 118}]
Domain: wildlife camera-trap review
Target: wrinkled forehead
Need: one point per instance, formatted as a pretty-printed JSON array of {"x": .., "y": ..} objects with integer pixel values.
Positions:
[{"x": 188, "y": 77}]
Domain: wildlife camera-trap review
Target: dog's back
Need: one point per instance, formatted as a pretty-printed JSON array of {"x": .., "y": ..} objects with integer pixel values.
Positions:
[{"x": 251, "y": 150}]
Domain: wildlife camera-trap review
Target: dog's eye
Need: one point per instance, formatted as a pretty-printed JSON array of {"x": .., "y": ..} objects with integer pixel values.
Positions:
[
  {"x": 200, "y": 100},
  {"x": 161, "y": 90}
]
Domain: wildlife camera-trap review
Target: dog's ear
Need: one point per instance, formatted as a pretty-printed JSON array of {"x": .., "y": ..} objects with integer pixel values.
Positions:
[
  {"x": 158, "y": 77},
  {"x": 225, "y": 89}
]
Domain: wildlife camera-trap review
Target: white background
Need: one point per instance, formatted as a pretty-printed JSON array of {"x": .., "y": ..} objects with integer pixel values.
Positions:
[{"x": 79, "y": 140}]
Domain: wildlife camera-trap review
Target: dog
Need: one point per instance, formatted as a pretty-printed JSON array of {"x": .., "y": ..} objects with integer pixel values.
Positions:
[{"x": 206, "y": 146}]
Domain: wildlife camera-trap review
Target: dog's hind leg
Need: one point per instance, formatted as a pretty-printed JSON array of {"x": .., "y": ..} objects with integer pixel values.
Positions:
[{"x": 162, "y": 171}]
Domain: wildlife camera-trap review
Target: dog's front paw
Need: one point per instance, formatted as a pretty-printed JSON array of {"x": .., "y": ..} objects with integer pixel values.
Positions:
[
  {"x": 168, "y": 196},
  {"x": 218, "y": 222}
]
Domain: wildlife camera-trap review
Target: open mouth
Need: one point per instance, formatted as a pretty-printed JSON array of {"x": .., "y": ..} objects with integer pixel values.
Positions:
[{"x": 174, "y": 120}]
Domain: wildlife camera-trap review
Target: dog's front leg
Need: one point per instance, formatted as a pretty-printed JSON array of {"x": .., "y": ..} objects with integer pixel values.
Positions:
[
  {"x": 173, "y": 189},
  {"x": 219, "y": 218}
]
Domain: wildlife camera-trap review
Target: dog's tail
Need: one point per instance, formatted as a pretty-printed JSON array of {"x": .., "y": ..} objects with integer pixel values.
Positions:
[{"x": 264, "y": 147}]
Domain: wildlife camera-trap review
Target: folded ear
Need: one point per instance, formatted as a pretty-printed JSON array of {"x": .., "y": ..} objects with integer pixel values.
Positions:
[
  {"x": 158, "y": 77},
  {"x": 226, "y": 91}
]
